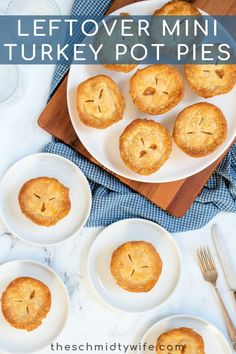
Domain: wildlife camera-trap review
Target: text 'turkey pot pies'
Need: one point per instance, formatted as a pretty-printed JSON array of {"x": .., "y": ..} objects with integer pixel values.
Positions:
[
  {"x": 200, "y": 129},
  {"x": 44, "y": 200},
  {"x": 180, "y": 341},
  {"x": 99, "y": 102},
  {"x": 25, "y": 303},
  {"x": 136, "y": 266},
  {"x": 211, "y": 80},
  {"x": 156, "y": 89},
  {"x": 145, "y": 146}
]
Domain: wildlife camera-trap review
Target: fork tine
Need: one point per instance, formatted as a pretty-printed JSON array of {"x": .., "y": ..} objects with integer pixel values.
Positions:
[
  {"x": 206, "y": 258},
  {"x": 211, "y": 259},
  {"x": 200, "y": 260},
  {"x": 203, "y": 253}
]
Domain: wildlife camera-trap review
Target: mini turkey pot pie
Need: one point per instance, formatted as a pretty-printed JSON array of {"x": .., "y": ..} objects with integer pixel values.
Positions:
[
  {"x": 156, "y": 89},
  {"x": 177, "y": 8},
  {"x": 111, "y": 42},
  {"x": 25, "y": 303},
  {"x": 136, "y": 266},
  {"x": 211, "y": 80},
  {"x": 180, "y": 341},
  {"x": 145, "y": 145},
  {"x": 200, "y": 129},
  {"x": 125, "y": 68},
  {"x": 99, "y": 102},
  {"x": 44, "y": 200}
]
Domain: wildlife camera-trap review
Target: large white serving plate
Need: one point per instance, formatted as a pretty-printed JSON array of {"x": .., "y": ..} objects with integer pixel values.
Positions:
[
  {"x": 213, "y": 339},
  {"x": 103, "y": 144}
]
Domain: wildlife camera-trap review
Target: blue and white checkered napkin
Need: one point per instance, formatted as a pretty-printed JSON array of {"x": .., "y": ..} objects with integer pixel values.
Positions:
[{"x": 114, "y": 201}]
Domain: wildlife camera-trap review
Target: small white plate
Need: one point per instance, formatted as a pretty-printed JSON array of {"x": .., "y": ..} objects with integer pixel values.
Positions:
[
  {"x": 103, "y": 144},
  {"x": 99, "y": 264},
  {"x": 13, "y": 340},
  {"x": 213, "y": 338},
  {"x": 49, "y": 165}
]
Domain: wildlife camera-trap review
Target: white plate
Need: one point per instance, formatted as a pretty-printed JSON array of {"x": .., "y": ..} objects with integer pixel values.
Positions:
[
  {"x": 99, "y": 264},
  {"x": 13, "y": 340},
  {"x": 103, "y": 144},
  {"x": 49, "y": 165},
  {"x": 213, "y": 338}
]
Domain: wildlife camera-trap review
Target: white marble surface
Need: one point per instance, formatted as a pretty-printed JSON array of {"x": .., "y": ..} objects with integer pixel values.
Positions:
[
  {"x": 90, "y": 320},
  {"x": 94, "y": 322}
]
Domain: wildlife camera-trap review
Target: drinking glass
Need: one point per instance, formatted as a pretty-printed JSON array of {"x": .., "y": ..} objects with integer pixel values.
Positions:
[
  {"x": 33, "y": 8},
  {"x": 10, "y": 83}
]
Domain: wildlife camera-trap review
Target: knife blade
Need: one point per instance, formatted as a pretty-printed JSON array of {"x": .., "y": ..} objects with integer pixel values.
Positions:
[{"x": 224, "y": 258}]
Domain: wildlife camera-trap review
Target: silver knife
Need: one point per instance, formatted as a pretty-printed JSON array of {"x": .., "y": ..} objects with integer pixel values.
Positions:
[{"x": 224, "y": 258}]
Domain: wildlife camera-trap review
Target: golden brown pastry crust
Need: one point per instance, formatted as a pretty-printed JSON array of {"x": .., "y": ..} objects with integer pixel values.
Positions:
[
  {"x": 211, "y": 80},
  {"x": 44, "y": 200},
  {"x": 25, "y": 303},
  {"x": 136, "y": 266},
  {"x": 200, "y": 129},
  {"x": 177, "y": 8},
  {"x": 156, "y": 89},
  {"x": 145, "y": 145},
  {"x": 182, "y": 340},
  {"x": 125, "y": 68},
  {"x": 99, "y": 102}
]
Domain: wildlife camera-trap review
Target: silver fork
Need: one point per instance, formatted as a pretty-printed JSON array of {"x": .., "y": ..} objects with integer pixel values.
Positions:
[{"x": 210, "y": 274}]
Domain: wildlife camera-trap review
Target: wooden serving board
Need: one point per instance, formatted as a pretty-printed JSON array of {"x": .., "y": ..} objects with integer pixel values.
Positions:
[{"x": 174, "y": 197}]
